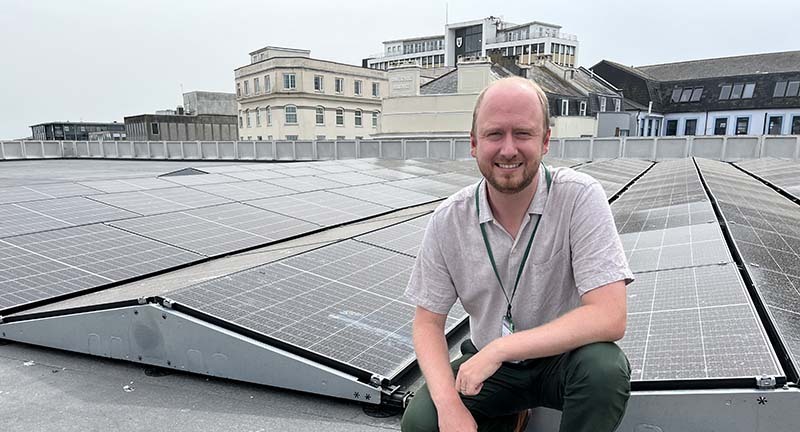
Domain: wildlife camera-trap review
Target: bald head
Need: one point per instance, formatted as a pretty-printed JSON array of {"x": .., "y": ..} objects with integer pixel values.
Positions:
[{"x": 526, "y": 87}]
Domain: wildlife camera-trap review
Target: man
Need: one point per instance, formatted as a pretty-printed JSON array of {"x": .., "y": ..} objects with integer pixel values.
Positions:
[{"x": 534, "y": 257}]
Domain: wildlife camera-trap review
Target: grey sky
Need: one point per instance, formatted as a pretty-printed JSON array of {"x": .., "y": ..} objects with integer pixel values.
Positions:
[{"x": 96, "y": 60}]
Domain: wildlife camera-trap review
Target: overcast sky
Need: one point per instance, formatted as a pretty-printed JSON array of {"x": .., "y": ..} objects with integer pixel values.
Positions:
[{"x": 102, "y": 60}]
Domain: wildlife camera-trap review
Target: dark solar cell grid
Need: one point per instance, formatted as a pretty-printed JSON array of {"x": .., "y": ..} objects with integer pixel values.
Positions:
[
  {"x": 341, "y": 301},
  {"x": 61, "y": 190},
  {"x": 245, "y": 190},
  {"x": 351, "y": 178},
  {"x": 20, "y": 194},
  {"x": 128, "y": 185},
  {"x": 15, "y": 220},
  {"x": 405, "y": 237},
  {"x": 321, "y": 207},
  {"x": 77, "y": 210},
  {"x": 199, "y": 179},
  {"x": 306, "y": 184},
  {"x": 427, "y": 186},
  {"x": 385, "y": 195},
  {"x": 158, "y": 201},
  {"x": 105, "y": 251},
  {"x": 685, "y": 323},
  {"x": 389, "y": 174}
]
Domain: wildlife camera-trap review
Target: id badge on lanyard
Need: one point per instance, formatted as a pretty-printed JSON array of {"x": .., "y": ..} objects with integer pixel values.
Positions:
[{"x": 506, "y": 326}]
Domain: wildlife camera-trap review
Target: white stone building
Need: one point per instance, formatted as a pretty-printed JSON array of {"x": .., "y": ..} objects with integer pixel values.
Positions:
[{"x": 284, "y": 94}]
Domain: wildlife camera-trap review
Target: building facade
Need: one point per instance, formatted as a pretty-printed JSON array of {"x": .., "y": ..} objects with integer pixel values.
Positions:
[
  {"x": 284, "y": 94},
  {"x": 743, "y": 95},
  {"x": 480, "y": 38},
  {"x": 69, "y": 131},
  {"x": 443, "y": 107},
  {"x": 178, "y": 126},
  {"x": 202, "y": 102}
]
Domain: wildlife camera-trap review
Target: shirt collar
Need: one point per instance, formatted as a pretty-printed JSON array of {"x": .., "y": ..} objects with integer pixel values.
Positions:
[{"x": 537, "y": 203}]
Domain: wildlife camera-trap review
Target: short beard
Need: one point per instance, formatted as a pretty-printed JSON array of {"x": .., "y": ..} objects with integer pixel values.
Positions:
[{"x": 512, "y": 189}]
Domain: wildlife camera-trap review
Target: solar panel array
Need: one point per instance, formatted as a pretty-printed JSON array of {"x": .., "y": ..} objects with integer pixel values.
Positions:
[
  {"x": 184, "y": 218},
  {"x": 343, "y": 301},
  {"x": 766, "y": 229},
  {"x": 614, "y": 174},
  {"x": 689, "y": 316},
  {"x": 780, "y": 172}
]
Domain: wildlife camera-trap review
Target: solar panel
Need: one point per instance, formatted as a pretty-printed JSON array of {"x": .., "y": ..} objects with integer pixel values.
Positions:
[
  {"x": 260, "y": 173},
  {"x": 244, "y": 191},
  {"x": 127, "y": 185},
  {"x": 306, "y": 184},
  {"x": 76, "y": 210},
  {"x": 338, "y": 301},
  {"x": 385, "y": 195},
  {"x": 694, "y": 323},
  {"x": 27, "y": 277},
  {"x": 217, "y": 230},
  {"x": 161, "y": 200},
  {"x": 351, "y": 178},
  {"x": 15, "y": 220},
  {"x": 199, "y": 179},
  {"x": 20, "y": 194},
  {"x": 405, "y": 237},
  {"x": 389, "y": 174},
  {"x": 60, "y": 190},
  {"x": 764, "y": 226},
  {"x": 104, "y": 251},
  {"x": 427, "y": 186},
  {"x": 302, "y": 171},
  {"x": 321, "y": 207}
]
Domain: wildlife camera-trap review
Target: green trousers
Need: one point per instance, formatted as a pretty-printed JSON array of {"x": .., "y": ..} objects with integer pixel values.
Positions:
[{"x": 589, "y": 385}]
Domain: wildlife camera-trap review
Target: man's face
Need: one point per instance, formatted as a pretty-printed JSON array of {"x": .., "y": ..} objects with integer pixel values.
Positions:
[{"x": 509, "y": 140}]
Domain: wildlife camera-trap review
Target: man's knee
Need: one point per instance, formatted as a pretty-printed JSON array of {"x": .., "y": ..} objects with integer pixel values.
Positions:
[
  {"x": 420, "y": 415},
  {"x": 600, "y": 369}
]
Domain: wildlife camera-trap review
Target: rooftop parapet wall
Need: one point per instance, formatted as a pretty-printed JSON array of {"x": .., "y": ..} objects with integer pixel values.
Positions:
[{"x": 725, "y": 148}]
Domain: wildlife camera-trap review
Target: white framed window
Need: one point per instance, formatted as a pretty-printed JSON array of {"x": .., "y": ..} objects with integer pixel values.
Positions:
[
  {"x": 339, "y": 85},
  {"x": 247, "y": 117},
  {"x": 258, "y": 116},
  {"x": 564, "y": 107},
  {"x": 583, "y": 108},
  {"x": 247, "y": 88},
  {"x": 357, "y": 87},
  {"x": 269, "y": 116},
  {"x": 602, "y": 104},
  {"x": 375, "y": 119},
  {"x": 256, "y": 86},
  {"x": 617, "y": 105},
  {"x": 267, "y": 84},
  {"x": 339, "y": 116},
  {"x": 238, "y": 89},
  {"x": 289, "y": 81},
  {"x": 319, "y": 83},
  {"x": 320, "y": 115},
  {"x": 291, "y": 137},
  {"x": 290, "y": 114},
  {"x": 376, "y": 89},
  {"x": 358, "y": 120},
  {"x": 241, "y": 120}
]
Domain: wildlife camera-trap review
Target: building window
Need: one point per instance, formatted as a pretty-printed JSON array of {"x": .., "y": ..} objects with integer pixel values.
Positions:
[
  {"x": 780, "y": 89},
  {"x": 247, "y": 117},
  {"x": 358, "y": 118},
  {"x": 318, "y": 86},
  {"x": 742, "y": 125},
  {"x": 290, "y": 114},
  {"x": 357, "y": 87},
  {"x": 602, "y": 104},
  {"x": 583, "y": 108},
  {"x": 775, "y": 125},
  {"x": 784, "y": 88},
  {"x": 258, "y": 117},
  {"x": 564, "y": 107},
  {"x": 154, "y": 128},
  {"x": 320, "y": 115},
  {"x": 375, "y": 119},
  {"x": 267, "y": 85},
  {"x": 241, "y": 120},
  {"x": 672, "y": 128},
  {"x": 690, "y": 127},
  {"x": 239, "y": 89},
  {"x": 792, "y": 88},
  {"x": 269, "y": 116},
  {"x": 725, "y": 93},
  {"x": 721, "y": 126},
  {"x": 256, "y": 86},
  {"x": 247, "y": 88},
  {"x": 686, "y": 94},
  {"x": 749, "y": 89},
  {"x": 796, "y": 125},
  {"x": 289, "y": 81},
  {"x": 291, "y": 137},
  {"x": 376, "y": 89},
  {"x": 339, "y": 116},
  {"x": 617, "y": 105},
  {"x": 339, "y": 85},
  {"x": 736, "y": 93}
]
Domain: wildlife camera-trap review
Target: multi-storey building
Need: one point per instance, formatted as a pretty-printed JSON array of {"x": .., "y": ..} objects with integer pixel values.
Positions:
[
  {"x": 480, "y": 38},
  {"x": 285, "y": 94},
  {"x": 72, "y": 131},
  {"x": 742, "y": 95}
]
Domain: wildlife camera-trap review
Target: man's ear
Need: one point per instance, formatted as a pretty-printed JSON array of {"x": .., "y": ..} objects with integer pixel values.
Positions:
[
  {"x": 473, "y": 145},
  {"x": 546, "y": 142}
]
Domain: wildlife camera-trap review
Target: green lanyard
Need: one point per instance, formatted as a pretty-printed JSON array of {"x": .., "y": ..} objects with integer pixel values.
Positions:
[{"x": 527, "y": 249}]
